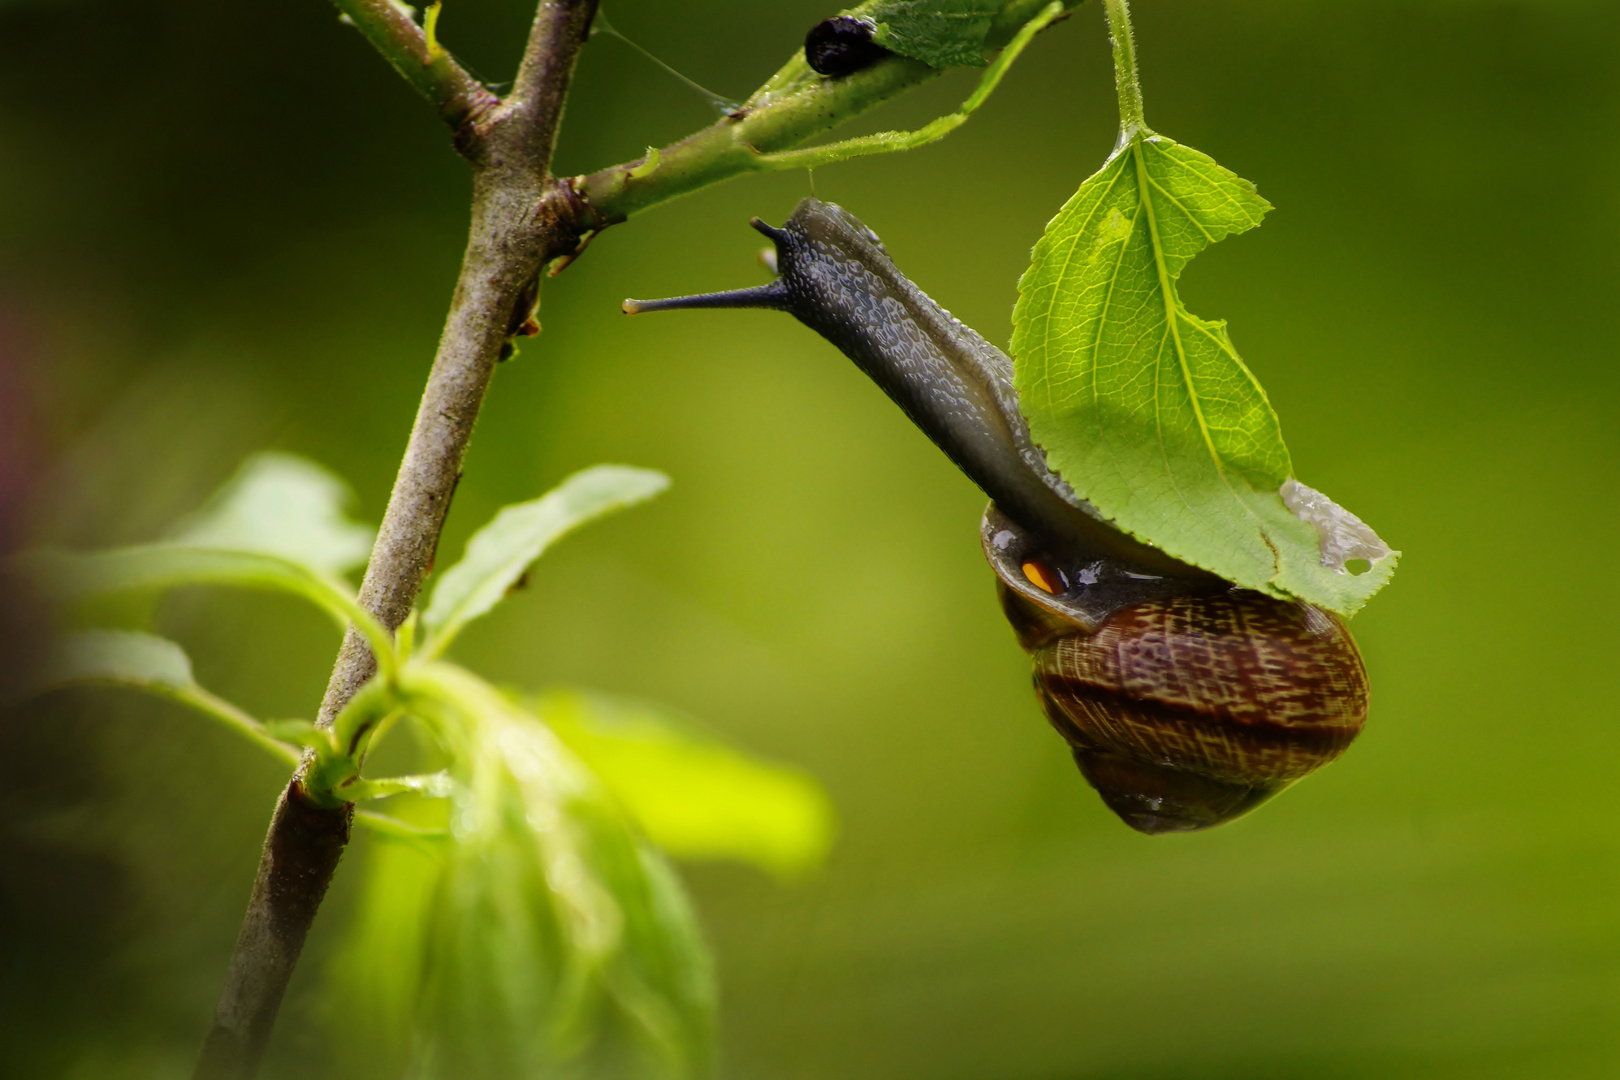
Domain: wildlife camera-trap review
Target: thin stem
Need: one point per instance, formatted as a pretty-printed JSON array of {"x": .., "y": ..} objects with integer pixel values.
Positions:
[
  {"x": 518, "y": 224},
  {"x": 795, "y": 106},
  {"x": 890, "y": 141},
  {"x": 535, "y": 105},
  {"x": 434, "y": 73},
  {"x": 234, "y": 718},
  {"x": 1126, "y": 82}
]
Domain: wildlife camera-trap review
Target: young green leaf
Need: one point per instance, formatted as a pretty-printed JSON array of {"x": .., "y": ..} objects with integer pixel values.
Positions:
[
  {"x": 500, "y": 553},
  {"x": 119, "y": 656},
  {"x": 373, "y": 983},
  {"x": 155, "y": 665},
  {"x": 68, "y": 576},
  {"x": 278, "y": 504},
  {"x": 1147, "y": 410},
  {"x": 940, "y": 33},
  {"x": 691, "y": 794},
  {"x": 554, "y": 934}
]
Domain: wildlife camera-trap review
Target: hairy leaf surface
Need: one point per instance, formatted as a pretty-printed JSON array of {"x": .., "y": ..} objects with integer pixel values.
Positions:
[
  {"x": 1146, "y": 409},
  {"x": 940, "y": 33}
]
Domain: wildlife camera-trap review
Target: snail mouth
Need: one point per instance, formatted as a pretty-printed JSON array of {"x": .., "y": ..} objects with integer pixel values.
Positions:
[{"x": 1157, "y": 799}]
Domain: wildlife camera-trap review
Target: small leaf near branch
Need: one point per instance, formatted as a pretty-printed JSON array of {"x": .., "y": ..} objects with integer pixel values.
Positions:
[
  {"x": 278, "y": 504},
  {"x": 437, "y": 785},
  {"x": 430, "y": 30},
  {"x": 120, "y": 656},
  {"x": 693, "y": 795},
  {"x": 155, "y": 665},
  {"x": 647, "y": 167},
  {"x": 552, "y": 926},
  {"x": 498, "y": 554},
  {"x": 68, "y": 576},
  {"x": 1147, "y": 410}
]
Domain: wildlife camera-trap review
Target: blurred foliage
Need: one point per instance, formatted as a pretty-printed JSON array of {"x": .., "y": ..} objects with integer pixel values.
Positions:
[
  {"x": 541, "y": 918},
  {"x": 228, "y": 227},
  {"x": 692, "y": 794}
]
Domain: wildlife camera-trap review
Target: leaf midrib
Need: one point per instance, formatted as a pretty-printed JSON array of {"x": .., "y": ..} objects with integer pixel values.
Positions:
[{"x": 1173, "y": 323}]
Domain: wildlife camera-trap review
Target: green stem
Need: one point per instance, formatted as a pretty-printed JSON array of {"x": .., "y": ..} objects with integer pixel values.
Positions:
[
  {"x": 1126, "y": 82},
  {"x": 795, "y": 106},
  {"x": 889, "y": 141},
  {"x": 434, "y": 73},
  {"x": 234, "y": 718},
  {"x": 433, "y": 785}
]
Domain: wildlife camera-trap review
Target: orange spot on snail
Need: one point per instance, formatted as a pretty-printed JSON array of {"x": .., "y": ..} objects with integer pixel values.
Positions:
[{"x": 1042, "y": 577}]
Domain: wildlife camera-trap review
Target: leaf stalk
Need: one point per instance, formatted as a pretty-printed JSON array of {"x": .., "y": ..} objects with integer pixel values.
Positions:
[{"x": 1126, "y": 82}]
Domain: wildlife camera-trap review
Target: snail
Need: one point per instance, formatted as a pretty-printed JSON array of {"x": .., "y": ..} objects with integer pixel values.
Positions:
[
  {"x": 842, "y": 45},
  {"x": 1186, "y": 701}
]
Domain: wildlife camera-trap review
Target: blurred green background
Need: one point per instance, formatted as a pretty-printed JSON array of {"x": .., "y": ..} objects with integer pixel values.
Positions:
[{"x": 228, "y": 226}]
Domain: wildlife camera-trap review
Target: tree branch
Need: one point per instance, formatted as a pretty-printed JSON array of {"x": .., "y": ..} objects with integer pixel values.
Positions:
[
  {"x": 535, "y": 106},
  {"x": 521, "y": 219},
  {"x": 461, "y": 99}
]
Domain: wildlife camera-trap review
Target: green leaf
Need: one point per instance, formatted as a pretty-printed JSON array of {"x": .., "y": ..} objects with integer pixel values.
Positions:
[
  {"x": 68, "y": 576},
  {"x": 278, "y": 504},
  {"x": 373, "y": 982},
  {"x": 691, "y": 794},
  {"x": 499, "y": 554},
  {"x": 555, "y": 935},
  {"x": 1147, "y": 410},
  {"x": 155, "y": 665},
  {"x": 120, "y": 656},
  {"x": 940, "y": 33}
]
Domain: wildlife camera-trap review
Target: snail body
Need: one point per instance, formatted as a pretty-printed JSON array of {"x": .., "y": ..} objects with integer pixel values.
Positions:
[{"x": 1187, "y": 701}]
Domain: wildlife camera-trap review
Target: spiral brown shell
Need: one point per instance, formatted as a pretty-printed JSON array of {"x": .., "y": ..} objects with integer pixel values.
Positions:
[{"x": 1186, "y": 711}]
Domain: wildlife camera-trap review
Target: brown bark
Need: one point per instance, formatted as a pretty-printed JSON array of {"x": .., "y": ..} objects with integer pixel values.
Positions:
[{"x": 521, "y": 220}]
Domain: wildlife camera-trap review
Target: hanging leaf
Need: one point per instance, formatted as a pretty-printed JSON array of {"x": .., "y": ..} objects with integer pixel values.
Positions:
[
  {"x": 1147, "y": 410},
  {"x": 278, "y": 504},
  {"x": 692, "y": 795},
  {"x": 500, "y": 553}
]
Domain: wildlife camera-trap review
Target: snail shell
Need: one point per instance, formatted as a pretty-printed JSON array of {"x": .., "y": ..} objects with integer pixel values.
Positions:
[{"x": 1183, "y": 711}]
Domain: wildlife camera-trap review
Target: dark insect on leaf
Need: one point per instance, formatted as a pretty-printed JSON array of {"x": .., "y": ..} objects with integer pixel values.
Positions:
[{"x": 841, "y": 45}]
